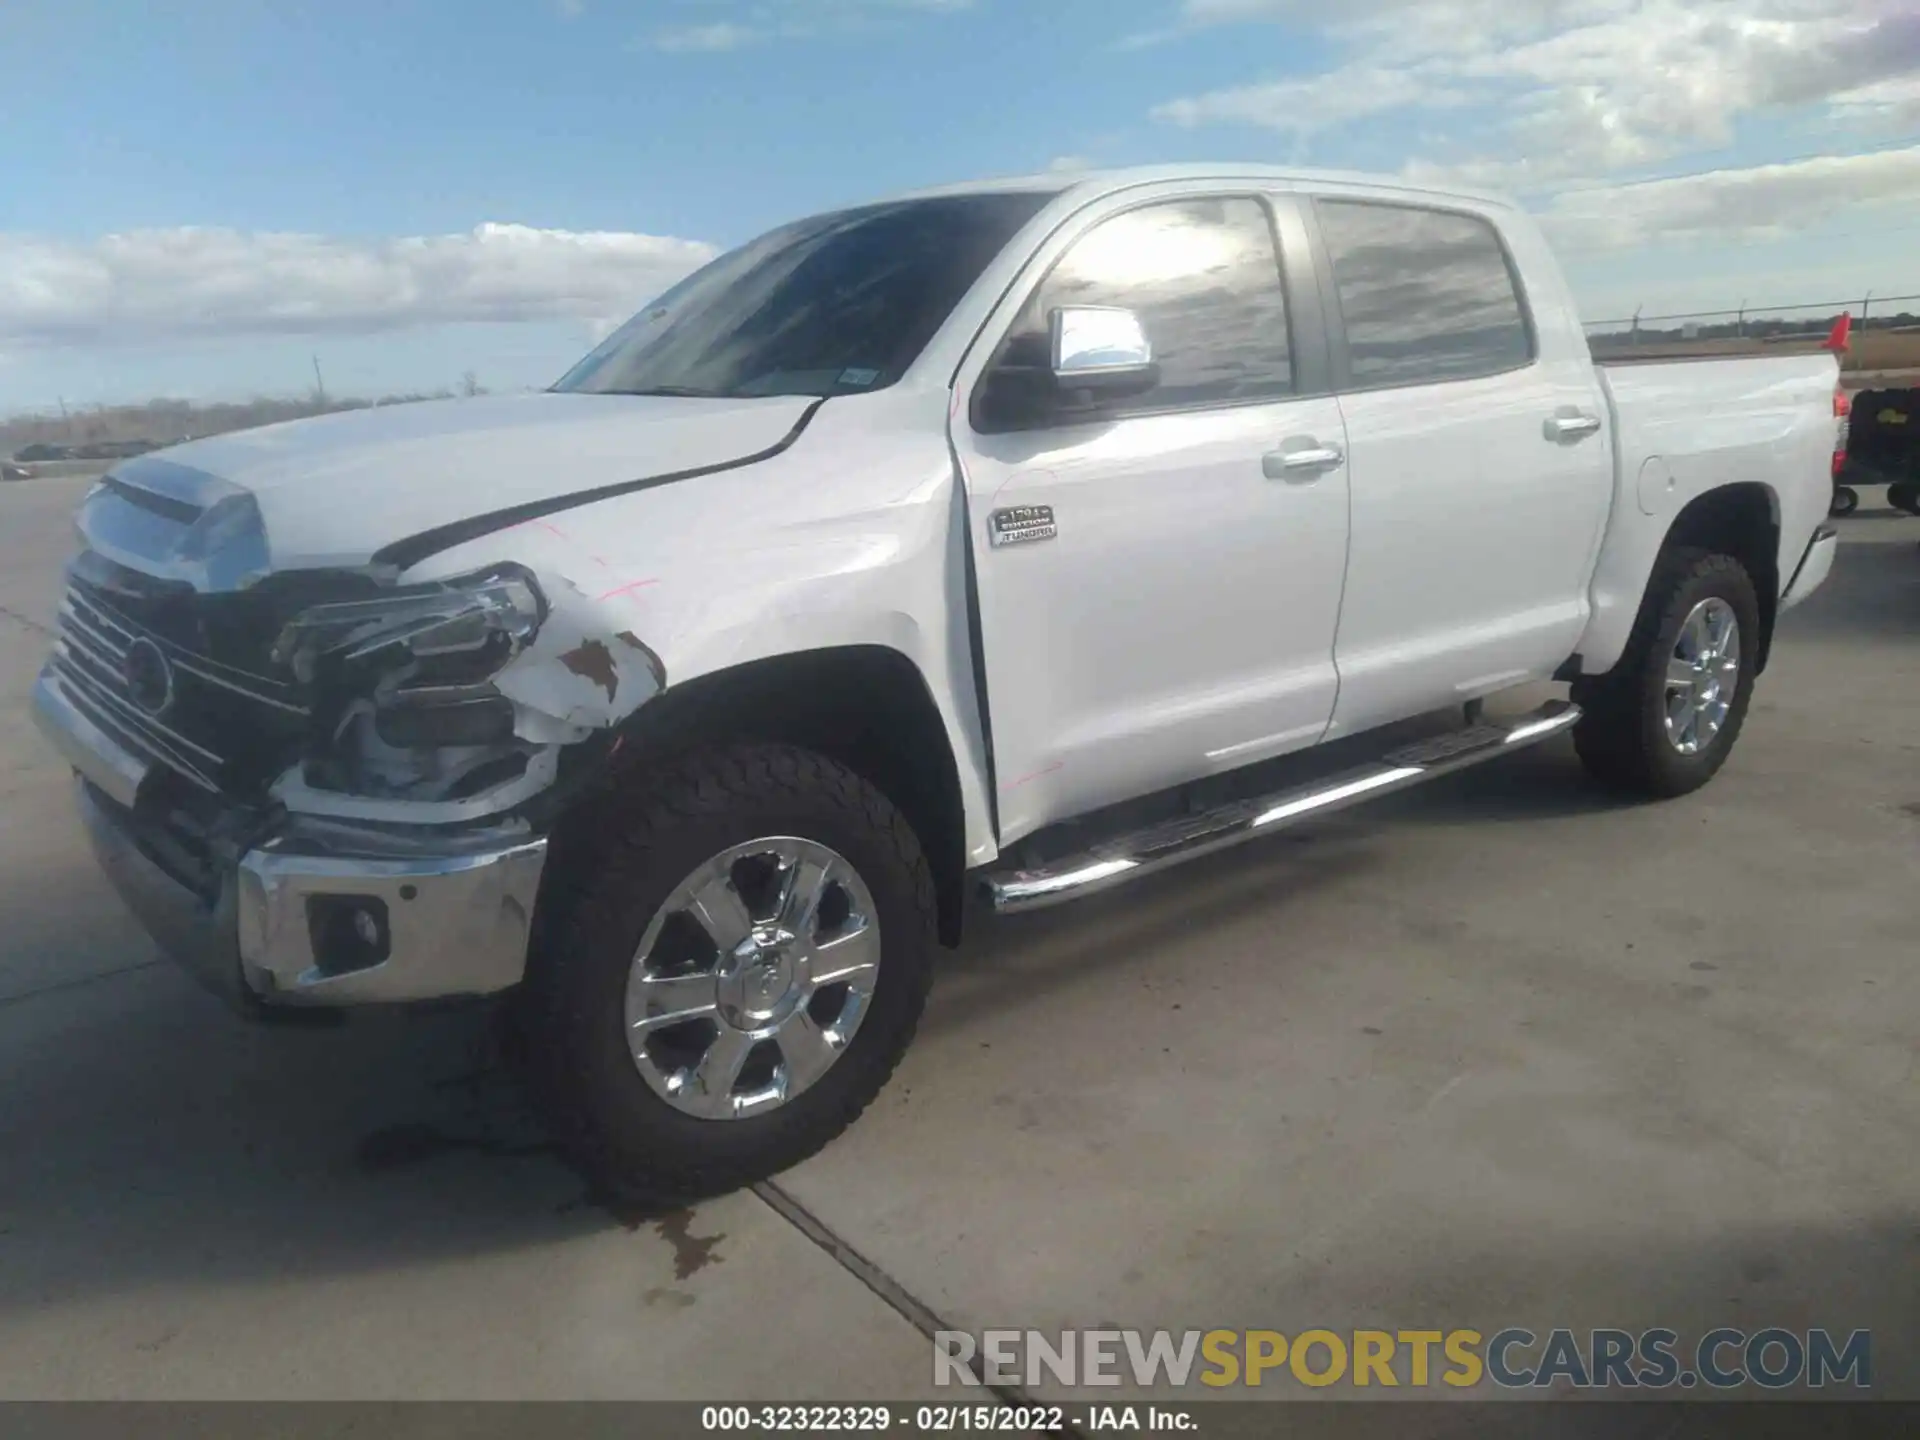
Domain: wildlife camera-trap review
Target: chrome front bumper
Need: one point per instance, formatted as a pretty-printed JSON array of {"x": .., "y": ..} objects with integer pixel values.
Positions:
[{"x": 443, "y": 920}]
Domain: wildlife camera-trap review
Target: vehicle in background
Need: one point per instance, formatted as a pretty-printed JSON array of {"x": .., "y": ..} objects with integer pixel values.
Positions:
[
  {"x": 1883, "y": 446},
  {"x": 41, "y": 452},
  {"x": 1015, "y": 540}
]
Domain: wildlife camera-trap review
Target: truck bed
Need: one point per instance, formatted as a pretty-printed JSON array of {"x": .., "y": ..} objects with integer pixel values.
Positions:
[
  {"x": 1717, "y": 420},
  {"x": 1683, "y": 427}
]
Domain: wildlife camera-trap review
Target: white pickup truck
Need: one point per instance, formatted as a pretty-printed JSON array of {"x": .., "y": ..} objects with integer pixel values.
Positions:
[{"x": 1016, "y": 539}]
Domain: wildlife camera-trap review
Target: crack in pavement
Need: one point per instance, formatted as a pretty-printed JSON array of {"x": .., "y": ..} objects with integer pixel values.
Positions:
[
  {"x": 889, "y": 1290},
  {"x": 26, "y": 621},
  {"x": 60, "y": 987}
]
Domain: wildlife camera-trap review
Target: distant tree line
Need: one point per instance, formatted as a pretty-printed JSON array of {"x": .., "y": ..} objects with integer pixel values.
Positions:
[
  {"x": 113, "y": 432},
  {"x": 1730, "y": 325}
]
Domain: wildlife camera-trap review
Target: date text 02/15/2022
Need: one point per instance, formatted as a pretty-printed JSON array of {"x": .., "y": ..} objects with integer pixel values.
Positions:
[{"x": 944, "y": 1419}]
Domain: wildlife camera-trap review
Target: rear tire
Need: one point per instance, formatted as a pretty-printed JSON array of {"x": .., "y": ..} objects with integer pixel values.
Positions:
[
  {"x": 1846, "y": 500},
  {"x": 1637, "y": 735},
  {"x": 627, "y": 1116}
]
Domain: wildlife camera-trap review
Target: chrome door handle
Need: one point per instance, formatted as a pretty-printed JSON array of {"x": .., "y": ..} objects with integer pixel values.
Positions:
[
  {"x": 1572, "y": 427},
  {"x": 1302, "y": 464}
]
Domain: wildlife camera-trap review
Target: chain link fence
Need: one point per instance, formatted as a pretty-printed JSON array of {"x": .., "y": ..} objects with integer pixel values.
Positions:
[{"x": 1886, "y": 331}]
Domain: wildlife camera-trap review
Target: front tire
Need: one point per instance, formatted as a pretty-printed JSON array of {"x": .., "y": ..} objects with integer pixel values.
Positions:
[
  {"x": 1664, "y": 720},
  {"x": 731, "y": 976}
]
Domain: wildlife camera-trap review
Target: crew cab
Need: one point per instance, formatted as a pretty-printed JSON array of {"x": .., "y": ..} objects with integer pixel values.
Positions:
[{"x": 1010, "y": 540}]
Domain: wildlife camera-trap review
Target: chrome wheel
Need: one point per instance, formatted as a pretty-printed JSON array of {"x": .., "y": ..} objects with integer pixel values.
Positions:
[
  {"x": 752, "y": 979},
  {"x": 1703, "y": 675}
]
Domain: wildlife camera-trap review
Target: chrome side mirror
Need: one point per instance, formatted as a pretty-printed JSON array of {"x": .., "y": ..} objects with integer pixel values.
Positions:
[{"x": 1096, "y": 355}]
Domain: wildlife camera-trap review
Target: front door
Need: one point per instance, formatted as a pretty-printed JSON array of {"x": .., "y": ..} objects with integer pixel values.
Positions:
[{"x": 1159, "y": 582}]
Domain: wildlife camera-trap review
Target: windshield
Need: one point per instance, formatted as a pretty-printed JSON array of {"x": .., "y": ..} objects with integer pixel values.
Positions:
[{"x": 835, "y": 305}]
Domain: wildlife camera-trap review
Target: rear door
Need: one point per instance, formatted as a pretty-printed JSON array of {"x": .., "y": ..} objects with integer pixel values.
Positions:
[
  {"x": 1479, "y": 470},
  {"x": 1167, "y": 607}
]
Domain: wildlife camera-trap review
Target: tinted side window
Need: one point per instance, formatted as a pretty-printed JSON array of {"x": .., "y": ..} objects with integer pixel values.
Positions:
[
  {"x": 1204, "y": 278},
  {"x": 1425, "y": 295}
]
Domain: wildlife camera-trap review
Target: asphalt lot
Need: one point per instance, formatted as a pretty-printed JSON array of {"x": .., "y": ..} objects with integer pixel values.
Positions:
[{"x": 1501, "y": 1052}]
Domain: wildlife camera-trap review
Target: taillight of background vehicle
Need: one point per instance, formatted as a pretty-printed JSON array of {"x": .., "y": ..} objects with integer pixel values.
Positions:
[
  {"x": 1838, "y": 340},
  {"x": 1842, "y": 410}
]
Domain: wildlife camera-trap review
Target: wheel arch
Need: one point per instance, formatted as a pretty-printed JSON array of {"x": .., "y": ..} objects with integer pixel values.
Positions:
[
  {"x": 1741, "y": 520},
  {"x": 866, "y": 706}
]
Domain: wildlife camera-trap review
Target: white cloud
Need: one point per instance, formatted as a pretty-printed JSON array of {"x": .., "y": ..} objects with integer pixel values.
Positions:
[
  {"x": 1582, "y": 87},
  {"x": 1313, "y": 103},
  {"x": 1431, "y": 22},
  {"x": 171, "y": 284},
  {"x": 1211, "y": 12},
  {"x": 1069, "y": 164},
  {"x": 1757, "y": 203},
  {"x": 1892, "y": 103},
  {"x": 723, "y": 35},
  {"x": 1669, "y": 78},
  {"x": 570, "y": 9},
  {"x": 765, "y": 20}
]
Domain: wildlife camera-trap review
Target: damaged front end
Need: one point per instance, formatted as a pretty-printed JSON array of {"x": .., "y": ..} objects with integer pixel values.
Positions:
[
  {"x": 327, "y": 786},
  {"x": 408, "y": 723}
]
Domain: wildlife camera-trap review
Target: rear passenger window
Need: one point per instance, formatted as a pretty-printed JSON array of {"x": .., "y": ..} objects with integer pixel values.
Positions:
[
  {"x": 1426, "y": 295},
  {"x": 1204, "y": 278}
]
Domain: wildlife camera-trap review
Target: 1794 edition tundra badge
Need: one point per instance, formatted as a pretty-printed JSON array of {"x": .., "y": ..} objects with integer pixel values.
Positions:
[{"x": 1021, "y": 523}]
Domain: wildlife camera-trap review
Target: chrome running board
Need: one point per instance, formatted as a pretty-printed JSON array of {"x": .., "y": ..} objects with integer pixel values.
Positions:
[{"x": 1126, "y": 858}]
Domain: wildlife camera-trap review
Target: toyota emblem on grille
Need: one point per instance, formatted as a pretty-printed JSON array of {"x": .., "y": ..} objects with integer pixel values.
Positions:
[{"x": 148, "y": 676}]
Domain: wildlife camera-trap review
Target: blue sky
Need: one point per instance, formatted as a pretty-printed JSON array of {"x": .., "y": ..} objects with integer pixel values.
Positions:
[{"x": 199, "y": 204}]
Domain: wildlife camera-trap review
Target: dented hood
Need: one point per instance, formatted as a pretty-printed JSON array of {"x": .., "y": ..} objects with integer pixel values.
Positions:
[{"x": 339, "y": 490}]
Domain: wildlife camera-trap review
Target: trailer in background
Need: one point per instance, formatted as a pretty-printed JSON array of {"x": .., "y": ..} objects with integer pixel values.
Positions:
[{"x": 1883, "y": 448}]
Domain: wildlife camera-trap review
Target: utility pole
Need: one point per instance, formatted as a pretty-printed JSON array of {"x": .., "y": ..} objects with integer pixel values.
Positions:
[
  {"x": 1636, "y": 320},
  {"x": 1865, "y": 305},
  {"x": 319, "y": 385}
]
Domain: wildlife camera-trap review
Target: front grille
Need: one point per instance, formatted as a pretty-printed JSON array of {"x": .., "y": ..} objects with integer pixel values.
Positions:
[{"x": 221, "y": 729}]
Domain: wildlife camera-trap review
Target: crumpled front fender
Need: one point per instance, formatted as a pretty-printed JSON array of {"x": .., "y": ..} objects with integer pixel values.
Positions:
[{"x": 580, "y": 674}]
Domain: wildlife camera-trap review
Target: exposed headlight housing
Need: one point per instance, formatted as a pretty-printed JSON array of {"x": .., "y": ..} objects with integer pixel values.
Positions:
[
  {"x": 402, "y": 684},
  {"x": 458, "y": 632}
]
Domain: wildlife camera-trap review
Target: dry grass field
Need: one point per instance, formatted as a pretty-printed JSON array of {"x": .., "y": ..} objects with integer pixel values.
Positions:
[
  {"x": 1868, "y": 351},
  {"x": 1884, "y": 350}
]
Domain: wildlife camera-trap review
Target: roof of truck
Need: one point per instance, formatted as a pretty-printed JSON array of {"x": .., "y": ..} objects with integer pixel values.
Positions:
[{"x": 1092, "y": 182}]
